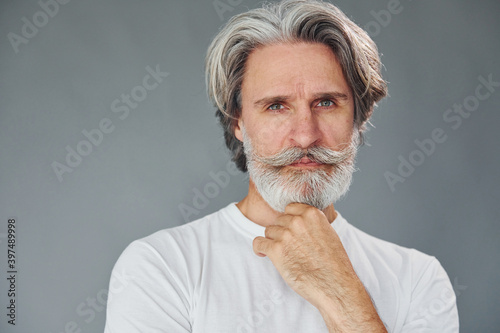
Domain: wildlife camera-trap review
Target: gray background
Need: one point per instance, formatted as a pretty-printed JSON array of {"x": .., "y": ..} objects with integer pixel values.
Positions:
[{"x": 65, "y": 78}]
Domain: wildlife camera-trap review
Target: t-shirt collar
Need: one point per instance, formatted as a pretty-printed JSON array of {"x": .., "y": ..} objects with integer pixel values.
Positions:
[{"x": 252, "y": 229}]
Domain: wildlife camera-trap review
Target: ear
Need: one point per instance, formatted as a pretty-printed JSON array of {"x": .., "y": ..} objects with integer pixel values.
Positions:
[{"x": 237, "y": 129}]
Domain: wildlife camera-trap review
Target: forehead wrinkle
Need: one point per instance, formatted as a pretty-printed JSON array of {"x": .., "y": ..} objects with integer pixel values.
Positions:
[{"x": 300, "y": 90}]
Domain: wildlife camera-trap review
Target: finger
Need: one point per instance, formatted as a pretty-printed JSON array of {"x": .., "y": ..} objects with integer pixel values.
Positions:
[
  {"x": 306, "y": 211},
  {"x": 262, "y": 246},
  {"x": 296, "y": 208},
  {"x": 274, "y": 231},
  {"x": 284, "y": 220}
]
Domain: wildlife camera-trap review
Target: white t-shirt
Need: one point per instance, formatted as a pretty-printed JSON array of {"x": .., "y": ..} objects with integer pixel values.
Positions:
[{"x": 204, "y": 277}]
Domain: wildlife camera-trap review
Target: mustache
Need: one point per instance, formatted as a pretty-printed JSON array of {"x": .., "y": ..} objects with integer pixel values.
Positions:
[{"x": 316, "y": 154}]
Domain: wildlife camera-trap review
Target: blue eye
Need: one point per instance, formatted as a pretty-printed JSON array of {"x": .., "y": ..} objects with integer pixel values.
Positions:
[
  {"x": 326, "y": 103},
  {"x": 275, "y": 107}
]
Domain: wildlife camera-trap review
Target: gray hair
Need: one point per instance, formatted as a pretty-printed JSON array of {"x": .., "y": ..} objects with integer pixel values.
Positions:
[{"x": 290, "y": 21}]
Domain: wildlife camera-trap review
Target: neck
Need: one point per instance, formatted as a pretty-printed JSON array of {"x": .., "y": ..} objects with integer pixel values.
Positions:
[{"x": 257, "y": 210}]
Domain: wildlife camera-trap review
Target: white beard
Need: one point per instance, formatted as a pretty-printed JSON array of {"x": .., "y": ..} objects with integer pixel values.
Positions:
[{"x": 318, "y": 187}]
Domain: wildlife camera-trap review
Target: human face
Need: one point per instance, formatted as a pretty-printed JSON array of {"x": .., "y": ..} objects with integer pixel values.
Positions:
[
  {"x": 295, "y": 100},
  {"x": 295, "y": 95}
]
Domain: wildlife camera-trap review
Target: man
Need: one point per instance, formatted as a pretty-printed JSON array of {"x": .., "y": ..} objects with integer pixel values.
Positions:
[{"x": 294, "y": 84}]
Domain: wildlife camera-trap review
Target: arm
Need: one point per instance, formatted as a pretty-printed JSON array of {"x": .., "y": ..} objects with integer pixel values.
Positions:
[{"x": 310, "y": 257}]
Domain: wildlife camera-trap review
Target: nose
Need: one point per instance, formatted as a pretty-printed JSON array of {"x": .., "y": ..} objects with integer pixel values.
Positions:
[{"x": 305, "y": 130}]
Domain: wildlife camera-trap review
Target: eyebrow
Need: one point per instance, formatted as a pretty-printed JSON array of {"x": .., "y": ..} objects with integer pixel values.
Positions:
[{"x": 283, "y": 98}]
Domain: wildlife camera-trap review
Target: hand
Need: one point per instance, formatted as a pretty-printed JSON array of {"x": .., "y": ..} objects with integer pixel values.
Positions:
[{"x": 308, "y": 253}]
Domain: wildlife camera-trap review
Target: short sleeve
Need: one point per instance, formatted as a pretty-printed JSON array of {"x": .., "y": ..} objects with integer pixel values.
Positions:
[
  {"x": 433, "y": 303},
  {"x": 144, "y": 295}
]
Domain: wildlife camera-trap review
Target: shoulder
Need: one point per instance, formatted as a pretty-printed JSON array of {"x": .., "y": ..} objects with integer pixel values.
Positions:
[
  {"x": 174, "y": 247},
  {"x": 155, "y": 278}
]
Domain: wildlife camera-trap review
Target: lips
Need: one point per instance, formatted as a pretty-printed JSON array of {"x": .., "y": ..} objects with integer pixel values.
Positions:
[{"x": 305, "y": 162}]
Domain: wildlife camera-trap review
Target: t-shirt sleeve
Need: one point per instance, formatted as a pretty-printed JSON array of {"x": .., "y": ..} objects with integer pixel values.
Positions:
[
  {"x": 433, "y": 303},
  {"x": 144, "y": 295}
]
